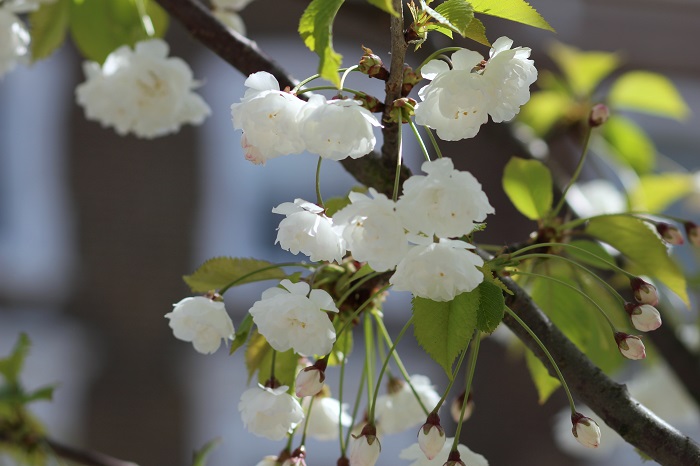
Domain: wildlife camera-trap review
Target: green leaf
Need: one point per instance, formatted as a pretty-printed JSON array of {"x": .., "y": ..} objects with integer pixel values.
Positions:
[
  {"x": 629, "y": 143},
  {"x": 453, "y": 14},
  {"x": 384, "y": 5},
  {"x": 43, "y": 393},
  {"x": 477, "y": 32},
  {"x": 219, "y": 272},
  {"x": 514, "y": 10},
  {"x": 98, "y": 27},
  {"x": 528, "y": 184},
  {"x": 491, "y": 307},
  {"x": 316, "y": 30},
  {"x": 642, "y": 247},
  {"x": 242, "y": 333},
  {"x": 544, "y": 110},
  {"x": 199, "y": 457},
  {"x": 286, "y": 367},
  {"x": 343, "y": 345},
  {"x": 334, "y": 204},
  {"x": 255, "y": 352},
  {"x": 544, "y": 383},
  {"x": 648, "y": 92},
  {"x": 583, "y": 70},
  {"x": 444, "y": 329},
  {"x": 595, "y": 250},
  {"x": 49, "y": 25},
  {"x": 11, "y": 366},
  {"x": 655, "y": 193}
]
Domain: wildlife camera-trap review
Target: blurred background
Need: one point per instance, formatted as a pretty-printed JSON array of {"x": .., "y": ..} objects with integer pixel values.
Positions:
[{"x": 96, "y": 231}]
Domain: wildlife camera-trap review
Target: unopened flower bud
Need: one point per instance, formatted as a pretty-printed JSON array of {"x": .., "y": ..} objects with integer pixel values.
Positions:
[
  {"x": 669, "y": 233},
  {"x": 585, "y": 430},
  {"x": 366, "y": 448},
  {"x": 630, "y": 346},
  {"x": 599, "y": 115},
  {"x": 456, "y": 407},
  {"x": 431, "y": 436},
  {"x": 455, "y": 459},
  {"x": 645, "y": 317},
  {"x": 644, "y": 293},
  {"x": 693, "y": 233},
  {"x": 309, "y": 381},
  {"x": 410, "y": 79},
  {"x": 372, "y": 65}
]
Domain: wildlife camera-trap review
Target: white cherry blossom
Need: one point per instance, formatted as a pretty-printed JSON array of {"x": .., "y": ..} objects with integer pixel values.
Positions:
[
  {"x": 585, "y": 430},
  {"x": 511, "y": 73},
  {"x": 141, "y": 91},
  {"x": 337, "y": 129},
  {"x": 268, "y": 118},
  {"x": 306, "y": 229},
  {"x": 373, "y": 230},
  {"x": 323, "y": 418},
  {"x": 14, "y": 41},
  {"x": 202, "y": 321},
  {"x": 292, "y": 318},
  {"x": 438, "y": 271},
  {"x": 399, "y": 410},
  {"x": 446, "y": 202},
  {"x": 414, "y": 453},
  {"x": 269, "y": 412}
]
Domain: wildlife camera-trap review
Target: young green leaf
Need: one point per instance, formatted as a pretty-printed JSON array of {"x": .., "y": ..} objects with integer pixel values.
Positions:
[
  {"x": 444, "y": 329},
  {"x": 545, "y": 383},
  {"x": 343, "y": 345},
  {"x": 98, "y": 27},
  {"x": 255, "y": 353},
  {"x": 583, "y": 70},
  {"x": 11, "y": 366},
  {"x": 514, "y": 10},
  {"x": 316, "y": 30},
  {"x": 654, "y": 193},
  {"x": 491, "y": 307},
  {"x": 642, "y": 247},
  {"x": 219, "y": 272},
  {"x": 286, "y": 367},
  {"x": 629, "y": 144},
  {"x": 477, "y": 32},
  {"x": 594, "y": 250},
  {"x": 384, "y": 5},
  {"x": 49, "y": 25},
  {"x": 648, "y": 92},
  {"x": 544, "y": 110},
  {"x": 453, "y": 14},
  {"x": 199, "y": 457},
  {"x": 528, "y": 184},
  {"x": 242, "y": 333}
]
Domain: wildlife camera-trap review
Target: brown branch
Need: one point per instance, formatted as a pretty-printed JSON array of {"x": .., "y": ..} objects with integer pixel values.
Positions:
[{"x": 610, "y": 400}]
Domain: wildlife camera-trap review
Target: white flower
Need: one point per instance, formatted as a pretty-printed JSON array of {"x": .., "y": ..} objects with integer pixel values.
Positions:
[
  {"x": 511, "y": 74},
  {"x": 373, "y": 230},
  {"x": 269, "y": 412},
  {"x": 399, "y": 410},
  {"x": 309, "y": 381},
  {"x": 306, "y": 229},
  {"x": 585, "y": 430},
  {"x": 431, "y": 439},
  {"x": 268, "y": 118},
  {"x": 323, "y": 418},
  {"x": 337, "y": 129},
  {"x": 438, "y": 271},
  {"x": 645, "y": 317},
  {"x": 630, "y": 346},
  {"x": 141, "y": 91},
  {"x": 456, "y": 102},
  {"x": 287, "y": 318},
  {"x": 644, "y": 292},
  {"x": 365, "y": 449},
  {"x": 202, "y": 321},
  {"x": 468, "y": 457},
  {"x": 446, "y": 202},
  {"x": 14, "y": 41}
]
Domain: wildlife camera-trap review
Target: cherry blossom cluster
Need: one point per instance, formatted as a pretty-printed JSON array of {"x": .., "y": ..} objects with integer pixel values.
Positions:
[
  {"x": 276, "y": 123},
  {"x": 461, "y": 97},
  {"x": 415, "y": 234},
  {"x": 141, "y": 91}
]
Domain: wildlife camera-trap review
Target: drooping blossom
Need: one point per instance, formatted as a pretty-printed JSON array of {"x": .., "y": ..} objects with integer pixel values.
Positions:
[
  {"x": 14, "y": 41},
  {"x": 399, "y": 409},
  {"x": 202, "y": 321},
  {"x": 323, "y": 417},
  {"x": 468, "y": 457},
  {"x": 585, "y": 430},
  {"x": 269, "y": 412}
]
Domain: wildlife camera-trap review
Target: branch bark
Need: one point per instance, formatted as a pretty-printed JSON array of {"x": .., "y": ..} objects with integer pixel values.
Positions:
[{"x": 608, "y": 399}]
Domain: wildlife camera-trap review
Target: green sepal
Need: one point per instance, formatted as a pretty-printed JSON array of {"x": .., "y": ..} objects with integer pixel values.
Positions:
[
  {"x": 199, "y": 457},
  {"x": 316, "y": 30},
  {"x": 49, "y": 25},
  {"x": 220, "y": 272},
  {"x": 648, "y": 92},
  {"x": 528, "y": 184},
  {"x": 444, "y": 329},
  {"x": 514, "y": 10}
]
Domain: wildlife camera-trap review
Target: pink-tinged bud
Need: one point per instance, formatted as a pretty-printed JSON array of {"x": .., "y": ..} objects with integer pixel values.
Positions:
[
  {"x": 366, "y": 448},
  {"x": 645, "y": 317},
  {"x": 309, "y": 381},
  {"x": 644, "y": 292},
  {"x": 372, "y": 65},
  {"x": 456, "y": 407},
  {"x": 669, "y": 233},
  {"x": 599, "y": 115},
  {"x": 630, "y": 346},
  {"x": 693, "y": 233},
  {"x": 585, "y": 430},
  {"x": 431, "y": 436}
]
